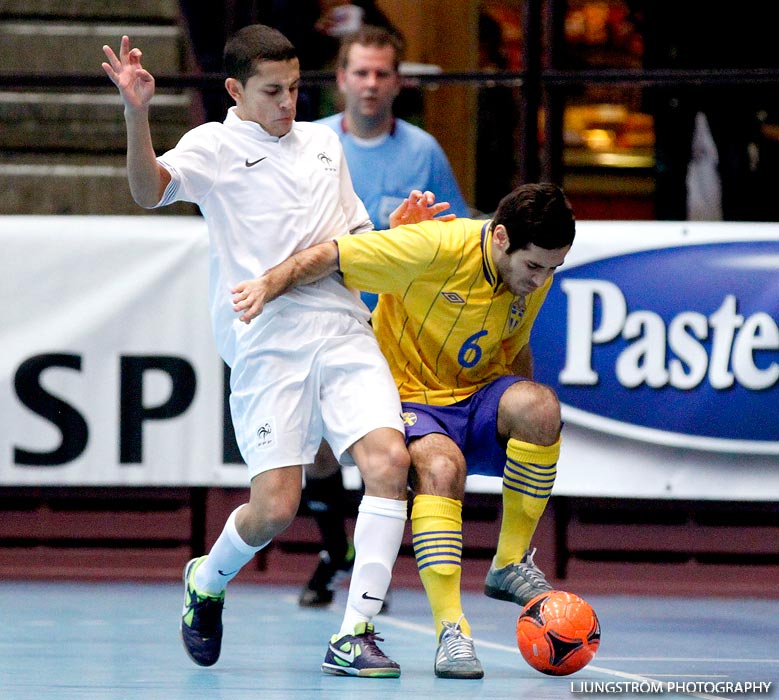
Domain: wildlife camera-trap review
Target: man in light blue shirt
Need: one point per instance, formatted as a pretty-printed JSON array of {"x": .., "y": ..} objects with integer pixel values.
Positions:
[
  {"x": 384, "y": 167},
  {"x": 387, "y": 158}
]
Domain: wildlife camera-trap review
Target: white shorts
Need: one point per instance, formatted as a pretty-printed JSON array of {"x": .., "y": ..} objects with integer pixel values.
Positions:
[{"x": 306, "y": 376}]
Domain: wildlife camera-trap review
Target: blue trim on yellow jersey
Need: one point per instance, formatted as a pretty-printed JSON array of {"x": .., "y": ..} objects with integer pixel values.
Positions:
[{"x": 490, "y": 273}]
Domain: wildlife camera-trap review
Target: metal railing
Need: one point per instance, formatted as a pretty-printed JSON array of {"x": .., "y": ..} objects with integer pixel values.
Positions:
[{"x": 540, "y": 91}]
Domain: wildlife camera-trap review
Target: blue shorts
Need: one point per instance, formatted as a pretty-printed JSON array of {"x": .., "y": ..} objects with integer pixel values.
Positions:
[{"x": 472, "y": 424}]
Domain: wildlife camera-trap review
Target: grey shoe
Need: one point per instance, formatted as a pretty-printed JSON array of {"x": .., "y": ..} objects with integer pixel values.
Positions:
[
  {"x": 456, "y": 655},
  {"x": 518, "y": 583}
]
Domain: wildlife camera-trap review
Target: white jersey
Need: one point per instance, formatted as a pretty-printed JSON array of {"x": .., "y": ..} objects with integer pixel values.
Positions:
[{"x": 265, "y": 198}]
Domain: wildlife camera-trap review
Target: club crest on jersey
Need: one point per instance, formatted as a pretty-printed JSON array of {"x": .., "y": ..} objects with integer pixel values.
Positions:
[
  {"x": 327, "y": 161},
  {"x": 409, "y": 418},
  {"x": 453, "y": 297},
  {"x": 515, "y": 314},
  {"x": 266, "y": 433}
]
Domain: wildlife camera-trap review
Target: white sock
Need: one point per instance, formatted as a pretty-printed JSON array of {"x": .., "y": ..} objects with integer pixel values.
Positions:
[
  {"x": 378, "y": 533},
  {"x": 225, "y": 560}
]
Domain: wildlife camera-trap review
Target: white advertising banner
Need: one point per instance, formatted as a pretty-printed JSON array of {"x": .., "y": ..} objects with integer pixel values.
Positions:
[
  {"x": 108, "y": 372},
  {"x": 661, "y": 340}
]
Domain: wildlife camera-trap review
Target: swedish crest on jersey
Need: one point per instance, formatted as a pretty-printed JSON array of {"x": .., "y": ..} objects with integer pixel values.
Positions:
[{"x": 516, "y": 312}]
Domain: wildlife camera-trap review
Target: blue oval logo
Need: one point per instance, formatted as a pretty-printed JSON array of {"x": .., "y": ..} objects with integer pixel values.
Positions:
[{"x": 680, "y": 341}]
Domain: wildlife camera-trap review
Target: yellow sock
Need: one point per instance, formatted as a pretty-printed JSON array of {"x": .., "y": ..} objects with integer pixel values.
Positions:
[
  {"x": 528, "y": 478},
  {"x": 437, "y": 530}
]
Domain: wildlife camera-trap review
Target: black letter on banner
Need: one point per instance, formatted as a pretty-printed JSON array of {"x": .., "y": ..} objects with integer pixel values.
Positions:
[
  {"x": 132, "y": 412},
  {"x": 70, "y": 422},
  {"x": 230, "y": 452}
]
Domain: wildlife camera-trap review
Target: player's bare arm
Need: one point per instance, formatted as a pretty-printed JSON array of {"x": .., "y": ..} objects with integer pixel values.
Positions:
[
  {"x": 523, "y": 363},
  {"x": 309, "y": 265},
  {"x": 312, "y": 264},
  {"x": 147, "y": 178}
]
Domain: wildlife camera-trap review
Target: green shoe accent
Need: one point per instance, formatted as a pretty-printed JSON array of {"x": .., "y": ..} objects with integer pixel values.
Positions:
[
  {"x": 201, "y": 620},
  {"x": 358, "y": 655}
]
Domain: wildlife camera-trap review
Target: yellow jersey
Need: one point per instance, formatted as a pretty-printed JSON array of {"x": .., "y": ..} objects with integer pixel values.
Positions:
[{"x": 445, "y": 322}]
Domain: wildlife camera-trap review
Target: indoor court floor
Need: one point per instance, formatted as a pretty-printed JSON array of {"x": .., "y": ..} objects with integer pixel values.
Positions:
[{"x": 107, "y": 641}]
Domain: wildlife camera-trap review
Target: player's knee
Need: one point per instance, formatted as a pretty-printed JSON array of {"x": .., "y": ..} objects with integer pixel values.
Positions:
[
  {"x": 531, "y": 413},
  {"x": 397, "y": 465},
  {"x": 263, "y": 521},
  {"x": 547, "y": 415},
  {"x": 439, "y": 475},
  {"x": 385, "y": 473},
  {"x": 279, "y": 517}
]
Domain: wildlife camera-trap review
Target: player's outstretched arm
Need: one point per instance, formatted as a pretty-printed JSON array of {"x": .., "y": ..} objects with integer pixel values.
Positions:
[
  {"x": 419, "y": 206},
  {"x": 312, "y": 264},
  {"x": 309, "y": 265},
  {"x": 147, "y": 178}
]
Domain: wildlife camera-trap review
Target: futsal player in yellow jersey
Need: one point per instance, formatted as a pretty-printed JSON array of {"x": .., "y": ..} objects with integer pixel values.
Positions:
[
  {"x": 457, "y": 303},
  {"x": 447, "y": 324}
]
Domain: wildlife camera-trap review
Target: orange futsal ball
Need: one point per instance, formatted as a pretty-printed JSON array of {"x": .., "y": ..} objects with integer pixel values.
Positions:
[{"x": 558, "y": 633}]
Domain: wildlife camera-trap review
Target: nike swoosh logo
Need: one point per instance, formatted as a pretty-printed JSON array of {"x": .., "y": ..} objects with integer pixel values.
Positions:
[
  {"x": 222, "y": 573},
  {"x": 342, "y": 654},
  {"x": 250, "y": 163},
  {"x": 365, "y": 596}
]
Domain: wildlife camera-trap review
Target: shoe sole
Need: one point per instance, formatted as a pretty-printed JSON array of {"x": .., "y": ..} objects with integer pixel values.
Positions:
[
  {"x": 316, "y": 604},
  {"x": 361, "y": 672},
  {"x": 468, "y": 675},
  {"x": 500, "y": 594},
  {"x": 194, "y": 660},
  {"x": 474, "y": 674},
  {"x": 310, "y": 598}
]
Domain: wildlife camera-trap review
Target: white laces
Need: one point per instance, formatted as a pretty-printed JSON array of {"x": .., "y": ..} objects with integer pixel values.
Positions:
[{"x": 458, "y": 646}]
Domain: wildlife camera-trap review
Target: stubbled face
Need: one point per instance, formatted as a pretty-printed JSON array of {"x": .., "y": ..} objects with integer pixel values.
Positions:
[
  {"x": 525, "y": 270},
  {"x": 269, "y": 96},
  {"x": 369, "y": 82}
]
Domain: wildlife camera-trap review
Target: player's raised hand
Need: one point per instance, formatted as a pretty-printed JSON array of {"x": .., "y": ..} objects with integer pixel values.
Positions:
[
  {"x": 419, "y": 206},
  {"x": 135, "y": 83}
]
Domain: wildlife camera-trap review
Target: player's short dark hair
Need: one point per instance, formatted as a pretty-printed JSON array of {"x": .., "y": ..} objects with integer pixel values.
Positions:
[
  {"x": 538, "y": 214},
  {"x": 252, "y": 44},
  {"x": 369, "y": 35}
]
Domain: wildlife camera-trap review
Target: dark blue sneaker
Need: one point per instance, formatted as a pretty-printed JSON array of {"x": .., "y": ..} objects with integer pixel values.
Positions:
[
  {"x": 201, "y": 620},
  {"x": 358, "y": 655}
]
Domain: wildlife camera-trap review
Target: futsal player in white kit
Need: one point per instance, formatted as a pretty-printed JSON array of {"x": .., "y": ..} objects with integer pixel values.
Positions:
[{"x": 310, "y": 366}]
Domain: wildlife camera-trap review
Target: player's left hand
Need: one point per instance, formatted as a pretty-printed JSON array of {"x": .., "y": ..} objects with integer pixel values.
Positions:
[
  {"x": 250, "y": 297},
  {"x": 419, "y": 206},
  {"x": 135, "y": 83}
]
